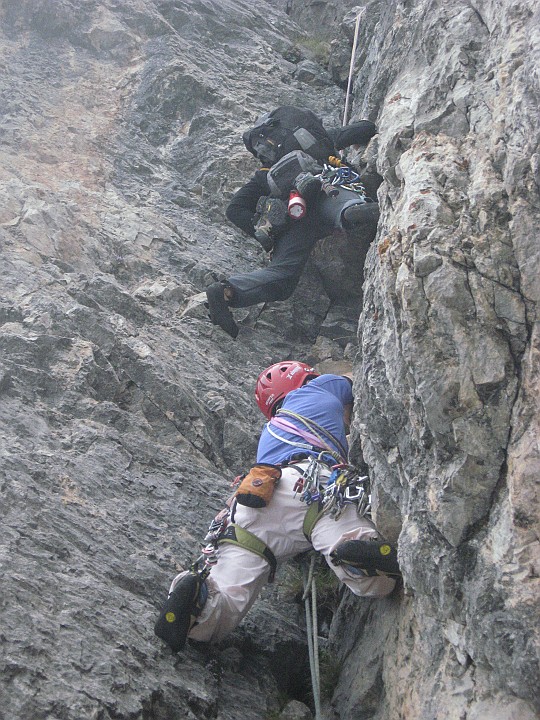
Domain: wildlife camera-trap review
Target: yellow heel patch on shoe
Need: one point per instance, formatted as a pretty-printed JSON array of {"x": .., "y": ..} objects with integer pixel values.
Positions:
[
  {"x": 385, "y": 549},
  {"x": 170, "y": 617}
]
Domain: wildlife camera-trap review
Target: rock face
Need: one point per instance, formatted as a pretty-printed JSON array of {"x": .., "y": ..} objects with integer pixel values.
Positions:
[
  {"x": 449, "y": 358},
  {"x": 125, "y": 414},
  {"x": 319, "y": 17}
]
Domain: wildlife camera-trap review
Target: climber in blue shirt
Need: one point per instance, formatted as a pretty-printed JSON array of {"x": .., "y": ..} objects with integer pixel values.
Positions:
[
  {"x": 323, "y": 400},
  {"x": 280, "y": 510}
]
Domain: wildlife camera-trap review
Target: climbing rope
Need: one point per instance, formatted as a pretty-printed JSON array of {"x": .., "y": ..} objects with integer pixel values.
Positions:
[
  {"x": 323, "y": 435},
  {"x": 344, "y": 486},
  {"x": 349, "y": 83},
  {"x": 310, "y": 588}
]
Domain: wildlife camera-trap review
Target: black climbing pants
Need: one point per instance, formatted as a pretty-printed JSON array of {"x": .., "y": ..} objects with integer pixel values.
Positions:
[{"x": 278, "y": 280}]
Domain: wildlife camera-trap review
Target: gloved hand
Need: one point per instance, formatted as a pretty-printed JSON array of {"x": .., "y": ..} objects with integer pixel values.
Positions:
[
  {"x": 272, "y": 221},
  {"x": 308, "y": 185}
]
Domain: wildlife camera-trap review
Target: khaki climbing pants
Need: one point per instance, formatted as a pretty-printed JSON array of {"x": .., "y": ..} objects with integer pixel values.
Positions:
[{"x": 235, "y": 581}]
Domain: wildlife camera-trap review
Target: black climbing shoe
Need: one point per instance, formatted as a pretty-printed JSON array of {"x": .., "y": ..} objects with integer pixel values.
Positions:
[
  {"x": 361, "y": 215},
  {"x": 272, "y": 220},
  {"x": 308, "y": 186},
  {"x": 179, "y": 612},
  {"x": 219, "y": 309},
  {"x": 372, "y": 556}
]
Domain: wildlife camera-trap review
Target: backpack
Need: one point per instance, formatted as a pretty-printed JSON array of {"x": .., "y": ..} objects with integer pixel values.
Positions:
[
  {"x": 284, "y": 172},
  {"x": 285, "y": 129}
]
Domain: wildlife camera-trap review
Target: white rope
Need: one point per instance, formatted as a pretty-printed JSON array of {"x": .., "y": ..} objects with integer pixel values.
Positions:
[
  {"x": 289, "y": 442},
  {"x": 317, "y": 430},
  {"x": 353, "y": 54},
  {"x": 317, "y": 694},
  {"x": 312, "y": 632}
]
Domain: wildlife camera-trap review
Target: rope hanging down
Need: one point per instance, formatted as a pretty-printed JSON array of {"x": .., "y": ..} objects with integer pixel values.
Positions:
[
  {"x": 312, "y": 631},
  {"x": 349, "y": 83}
]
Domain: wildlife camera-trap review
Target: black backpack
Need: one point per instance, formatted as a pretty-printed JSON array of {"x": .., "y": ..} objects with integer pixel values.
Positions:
[{"x": 285, "y": 129}]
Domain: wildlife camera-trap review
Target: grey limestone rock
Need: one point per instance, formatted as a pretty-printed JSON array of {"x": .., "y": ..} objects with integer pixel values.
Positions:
[
  {"x": 295, "y": 710},
  {"x": 444, "y": 370},
  {"x": 124, "y": 414}
]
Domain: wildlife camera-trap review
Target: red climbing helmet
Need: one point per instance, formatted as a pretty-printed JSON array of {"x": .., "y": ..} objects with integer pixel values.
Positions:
[{"x": 278, "y": 380}]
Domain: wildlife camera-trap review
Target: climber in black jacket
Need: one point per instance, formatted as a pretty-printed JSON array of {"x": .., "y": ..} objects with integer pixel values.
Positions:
[{"x": 290, "y": 247}]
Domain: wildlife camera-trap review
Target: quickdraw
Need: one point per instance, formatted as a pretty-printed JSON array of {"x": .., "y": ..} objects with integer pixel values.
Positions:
[
  {"x": 345, "y": 486},
  {"x": 223, "y": 530},
  {"x": 208, "y": 557},
  {"x": 308, "y": 483},
  {"x": 342, "y": 177}
]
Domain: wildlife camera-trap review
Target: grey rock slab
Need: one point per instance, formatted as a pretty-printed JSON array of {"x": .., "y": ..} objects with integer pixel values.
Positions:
[{"x": 124, "y": 414}]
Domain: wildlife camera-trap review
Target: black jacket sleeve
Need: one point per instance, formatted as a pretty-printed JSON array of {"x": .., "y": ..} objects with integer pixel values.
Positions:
[
  {"x": 242, "y": 207},
  {"x": 356, "y": 133}
]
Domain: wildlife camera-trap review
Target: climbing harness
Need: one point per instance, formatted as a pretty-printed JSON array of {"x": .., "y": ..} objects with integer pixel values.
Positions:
[
  {"x": 325, "y": 489},
  {"x": 240, "y": 536},
  {"x": 343, "y": 177},
  {"x": 222, "y": 530}
]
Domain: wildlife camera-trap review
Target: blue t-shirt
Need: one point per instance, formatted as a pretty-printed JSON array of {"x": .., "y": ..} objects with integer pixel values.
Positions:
[{"x": 322, "y": 400}]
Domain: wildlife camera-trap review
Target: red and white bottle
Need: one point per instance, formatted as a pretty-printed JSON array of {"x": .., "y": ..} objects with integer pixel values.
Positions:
[{"x": 297, "y": 207}]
